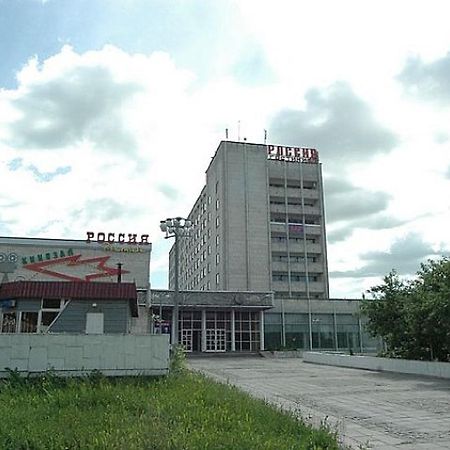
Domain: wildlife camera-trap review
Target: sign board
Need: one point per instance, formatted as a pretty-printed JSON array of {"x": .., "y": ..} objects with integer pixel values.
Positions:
[
  {"x": 71, "y": 260},
  {"x": 293, "y": 154}
]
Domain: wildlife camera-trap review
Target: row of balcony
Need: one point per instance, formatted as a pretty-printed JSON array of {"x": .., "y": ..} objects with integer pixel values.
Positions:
[
  {"x": 293, "y": 192},
  {"x": 300, "y": 286},
  {"x": 280, "y": 228},
  {"x": 295, "y": 209},
  {"x": 282, "y": 266},
  {"x": 296, "y": 247}
]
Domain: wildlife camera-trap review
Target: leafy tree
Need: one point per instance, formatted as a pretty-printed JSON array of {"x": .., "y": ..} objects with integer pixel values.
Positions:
[{"x": 413, "y": 317}]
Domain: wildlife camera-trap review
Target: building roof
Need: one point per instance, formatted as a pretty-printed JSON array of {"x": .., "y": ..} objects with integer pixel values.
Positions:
[
  {"x": 71, "y": 290},
  {"x": 232, "y": 299}
]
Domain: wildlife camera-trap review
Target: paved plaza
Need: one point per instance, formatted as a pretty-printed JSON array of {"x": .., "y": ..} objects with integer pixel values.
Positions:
[{"x": 368, "y": 409}]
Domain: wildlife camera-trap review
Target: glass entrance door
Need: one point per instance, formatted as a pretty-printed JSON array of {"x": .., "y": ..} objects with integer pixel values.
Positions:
[
  {"x": 186, "y": 340},
  {"x": 215, "y": 340}
]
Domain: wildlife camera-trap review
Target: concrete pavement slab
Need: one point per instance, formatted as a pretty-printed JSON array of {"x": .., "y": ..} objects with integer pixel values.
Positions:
[{"x": 368, "y": 409}]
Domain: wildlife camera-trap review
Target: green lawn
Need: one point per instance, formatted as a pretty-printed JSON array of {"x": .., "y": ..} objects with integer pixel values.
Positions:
[{"x": 184, "y": 411}]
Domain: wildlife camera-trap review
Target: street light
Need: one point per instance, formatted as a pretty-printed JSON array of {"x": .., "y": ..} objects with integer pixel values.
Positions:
[{"x": 175, "y": 228}]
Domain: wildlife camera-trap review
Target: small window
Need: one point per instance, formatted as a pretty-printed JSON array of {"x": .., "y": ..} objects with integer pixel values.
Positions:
[
  {"x": 29, "y": 322},
  {"x": 51, "y": 303},
  {"x": 47, "y": 318},
  {"x": 8, "y": 324}
]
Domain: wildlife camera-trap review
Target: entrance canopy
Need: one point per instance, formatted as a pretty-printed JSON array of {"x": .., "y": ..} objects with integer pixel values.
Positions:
[{"x": 214, "y": 299}]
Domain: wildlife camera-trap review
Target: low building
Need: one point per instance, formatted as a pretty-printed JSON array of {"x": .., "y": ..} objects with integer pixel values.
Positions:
[
  {"x": 67, "y": 307},
  {"x": 214, "y": 321},
  {"x": 101, "y": 258}
]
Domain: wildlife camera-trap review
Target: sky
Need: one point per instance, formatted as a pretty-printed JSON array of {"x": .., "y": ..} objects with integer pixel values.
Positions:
[{"x": 111, "y": 110}]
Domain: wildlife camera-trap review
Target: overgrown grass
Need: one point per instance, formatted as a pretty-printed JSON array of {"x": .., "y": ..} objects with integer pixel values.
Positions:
[{"x": 183, "y": 411}]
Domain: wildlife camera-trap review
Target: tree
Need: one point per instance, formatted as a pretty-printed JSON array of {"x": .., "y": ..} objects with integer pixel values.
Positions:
[{"x": 413, "y": 317}]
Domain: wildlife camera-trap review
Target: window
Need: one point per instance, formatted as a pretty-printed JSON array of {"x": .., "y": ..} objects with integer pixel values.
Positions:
[
  {"x": 29, "y": 322},
  {"x": 47, "y": 318},
  {"x": 217, "y": 221},
  {"x": 50, "y": 310},
  {"x": 8, "y": 324},
  {"x": 217, "y": 258},
  {"x": 217, "y": 204},
  {"x": 51, "y": 303},
  {"x": 217, "y": 279},
  {"x": 217, "y": 240}
]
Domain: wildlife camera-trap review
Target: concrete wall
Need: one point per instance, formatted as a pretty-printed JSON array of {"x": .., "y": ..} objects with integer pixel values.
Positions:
[
  {"x": 423, "y": 368},
  {"x": 71, "y": 354}
]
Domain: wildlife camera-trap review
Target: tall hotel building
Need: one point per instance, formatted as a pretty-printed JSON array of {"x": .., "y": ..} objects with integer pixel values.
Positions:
[{"x": 259, "y": 224}]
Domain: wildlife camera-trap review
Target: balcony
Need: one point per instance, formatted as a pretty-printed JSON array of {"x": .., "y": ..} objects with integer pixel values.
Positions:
[
  {"x": 315, "y": 287},
  {"x": 280, "y": 229},
  {"x": 297, "y": 247},
  {"x": 295, "y": 209},
  {"x": 280, "y": 192},
  {"x": 282, "y": 266}
]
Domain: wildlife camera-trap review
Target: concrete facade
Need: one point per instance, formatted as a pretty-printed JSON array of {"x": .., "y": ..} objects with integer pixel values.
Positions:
[
  {"x": 78, "y": 354},
  {"x": 259, "y": 225}
]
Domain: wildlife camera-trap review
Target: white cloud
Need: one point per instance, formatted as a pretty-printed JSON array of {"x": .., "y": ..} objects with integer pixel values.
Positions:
[{"x": 137, "y": 130}]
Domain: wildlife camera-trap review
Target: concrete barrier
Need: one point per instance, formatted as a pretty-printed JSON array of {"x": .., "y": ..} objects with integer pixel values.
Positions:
[
  {"x": 423, "y": 368},
  {"x": 80, "y": 354}
]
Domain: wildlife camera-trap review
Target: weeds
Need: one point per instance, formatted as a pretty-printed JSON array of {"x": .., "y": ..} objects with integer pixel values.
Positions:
[
  {"x": 177, "y": 360},
  {"x": 186, "y": 411}
]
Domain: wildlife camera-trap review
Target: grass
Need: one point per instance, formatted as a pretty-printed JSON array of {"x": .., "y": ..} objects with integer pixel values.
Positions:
[{"x": 182, "y": 411}]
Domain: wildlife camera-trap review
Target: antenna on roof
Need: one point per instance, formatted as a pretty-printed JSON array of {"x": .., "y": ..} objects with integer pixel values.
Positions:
[
  {"x": 265, "y": 136},
  {"x": 226, "y": 134}
]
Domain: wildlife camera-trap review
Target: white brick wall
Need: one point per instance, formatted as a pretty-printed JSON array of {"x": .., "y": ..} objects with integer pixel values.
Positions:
[{"x": 70, "y": 354}]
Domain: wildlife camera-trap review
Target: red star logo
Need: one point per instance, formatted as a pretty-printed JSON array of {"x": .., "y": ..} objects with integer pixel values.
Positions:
[{"x": 69, "y": 270}]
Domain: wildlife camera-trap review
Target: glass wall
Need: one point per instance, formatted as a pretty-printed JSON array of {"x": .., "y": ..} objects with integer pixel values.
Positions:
[
  {"x": 247, "y": 334},
  {"x": 336, "y": 332}
]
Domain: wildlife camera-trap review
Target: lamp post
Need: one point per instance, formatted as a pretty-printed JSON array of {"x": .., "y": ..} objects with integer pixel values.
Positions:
[{"x": 175, "y": 228}]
